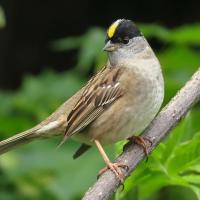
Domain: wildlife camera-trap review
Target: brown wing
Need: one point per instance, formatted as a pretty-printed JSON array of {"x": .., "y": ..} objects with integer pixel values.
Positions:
[{"x": 100, "y": 92}]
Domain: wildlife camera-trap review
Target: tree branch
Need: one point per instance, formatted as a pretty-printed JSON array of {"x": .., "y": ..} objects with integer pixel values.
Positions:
[{"x": 156, "y": 131}]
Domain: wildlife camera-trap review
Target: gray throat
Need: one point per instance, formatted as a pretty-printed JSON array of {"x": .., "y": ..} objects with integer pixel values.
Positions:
[{"x": 126, "y": 52}]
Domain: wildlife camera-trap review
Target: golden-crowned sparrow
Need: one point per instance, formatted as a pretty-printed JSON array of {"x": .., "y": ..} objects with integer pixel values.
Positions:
[{"x": 116, "y": 103}]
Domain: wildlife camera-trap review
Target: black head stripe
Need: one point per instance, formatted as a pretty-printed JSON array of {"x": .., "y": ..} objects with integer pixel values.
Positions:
[{"x": 125, "y": 30}]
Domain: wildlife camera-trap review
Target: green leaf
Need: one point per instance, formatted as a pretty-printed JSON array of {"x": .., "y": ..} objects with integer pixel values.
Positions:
[
  {"x": 196, "y": 190},
  {"x": 91, "y": 49},
  {"x": 119, "y": 146},
  {"x": 172, "y": 60},
  {"x": 149, "y": 186},
  {"x": 183, "y": 35},
  {"x": 186, "y": 155},
  {"x": 154, "y": 30},
  {"x": 174, "y": 140},
  {"x": 2, "y": 18},
  {"x": 67, "y": 43},
  {"x": 176, "y": 69},
  {"x": 194, "y": 179},
  {"x": 186, "y": 35}
]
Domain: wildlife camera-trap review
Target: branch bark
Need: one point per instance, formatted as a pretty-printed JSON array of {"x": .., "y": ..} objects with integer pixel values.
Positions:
[{"x": 160, "y": 127}]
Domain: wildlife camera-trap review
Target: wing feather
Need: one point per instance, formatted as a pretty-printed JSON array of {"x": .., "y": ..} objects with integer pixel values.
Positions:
[{"x": 100, "y": 92}]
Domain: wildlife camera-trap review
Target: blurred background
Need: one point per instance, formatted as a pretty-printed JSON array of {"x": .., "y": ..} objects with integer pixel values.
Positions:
[{"x": 48, "y": 50}]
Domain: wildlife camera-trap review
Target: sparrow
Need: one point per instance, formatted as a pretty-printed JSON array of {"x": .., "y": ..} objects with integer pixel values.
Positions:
[{"x": 118, "y": 103}]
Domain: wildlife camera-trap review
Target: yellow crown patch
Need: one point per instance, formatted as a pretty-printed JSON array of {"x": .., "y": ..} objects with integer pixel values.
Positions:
[{"x": 111, "y": 30}]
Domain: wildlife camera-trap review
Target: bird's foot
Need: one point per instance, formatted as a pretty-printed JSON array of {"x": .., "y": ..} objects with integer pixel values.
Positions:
[
  {"x": 115, "y": 168},
  {"x": 141, "y": 141}
]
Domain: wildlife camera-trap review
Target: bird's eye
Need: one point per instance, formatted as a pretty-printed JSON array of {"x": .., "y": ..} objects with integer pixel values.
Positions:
[{"x": 125, "y": 41}]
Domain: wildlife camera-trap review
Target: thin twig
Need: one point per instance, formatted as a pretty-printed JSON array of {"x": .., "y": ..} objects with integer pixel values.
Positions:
[{"x": 157, "y": 130}]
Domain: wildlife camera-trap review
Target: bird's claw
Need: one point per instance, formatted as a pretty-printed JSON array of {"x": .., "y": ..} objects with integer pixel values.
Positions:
[
  {"x": 115, "y": 168},
  {"x": 141, "y": 141}
]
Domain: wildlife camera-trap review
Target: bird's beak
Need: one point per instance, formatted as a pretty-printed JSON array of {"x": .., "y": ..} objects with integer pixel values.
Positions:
[{"x": 109, "y": 46}]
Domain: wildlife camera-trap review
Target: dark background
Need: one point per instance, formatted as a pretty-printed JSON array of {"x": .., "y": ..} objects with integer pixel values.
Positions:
[{"x": 32, "y": 24}]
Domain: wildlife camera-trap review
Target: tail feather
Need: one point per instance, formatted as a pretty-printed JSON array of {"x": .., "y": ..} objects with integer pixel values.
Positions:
[
  {"x": 14, "y": 141},
  {"x": 42, "y": 130}
]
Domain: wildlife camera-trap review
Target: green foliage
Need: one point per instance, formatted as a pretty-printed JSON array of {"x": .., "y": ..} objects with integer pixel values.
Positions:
[
  {"x": 90, "y": 48},
  {"x": 184, "y": 35},
  {"x": 2, "y": 18},
  {"x": 37, "y": 171}
]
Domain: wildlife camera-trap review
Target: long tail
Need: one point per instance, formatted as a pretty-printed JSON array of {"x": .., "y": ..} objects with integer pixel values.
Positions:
[
  {"x": 41, "y": 130},
  {"x": 50, "y": 125},
  {"x": 14, "y": 141}
]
